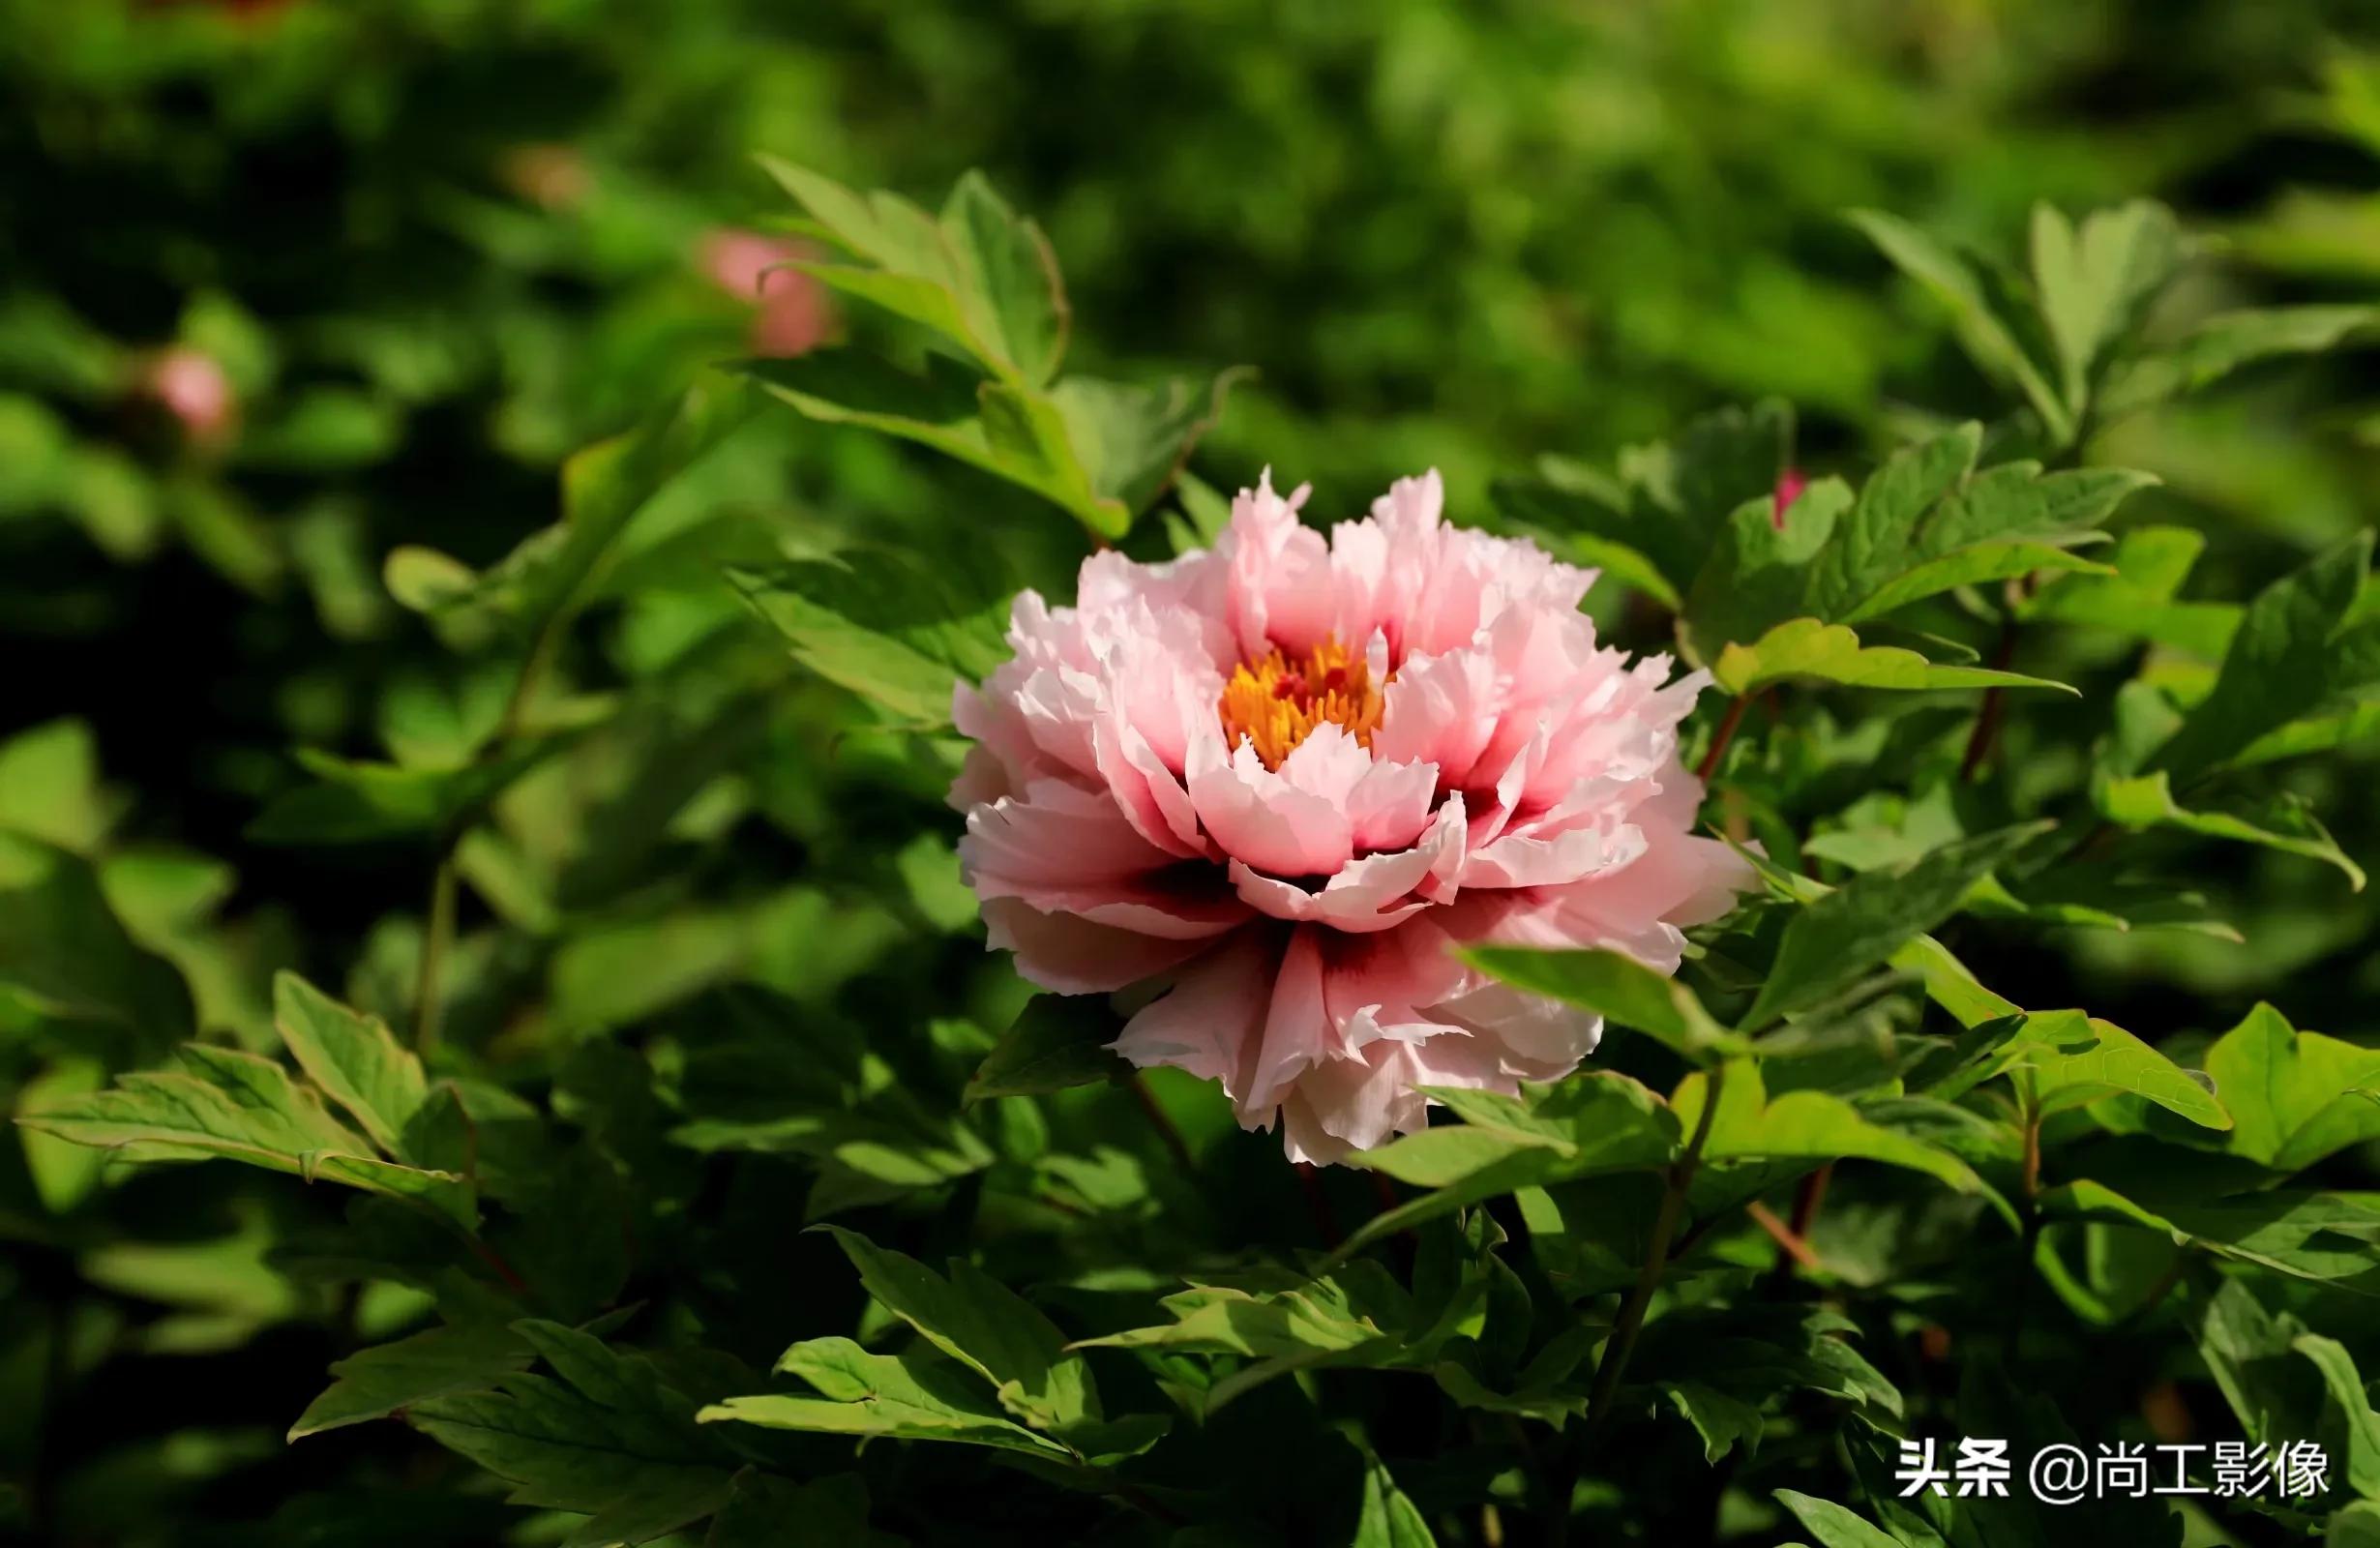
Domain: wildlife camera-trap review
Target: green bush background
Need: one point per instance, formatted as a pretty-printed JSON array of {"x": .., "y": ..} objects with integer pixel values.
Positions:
[{"x": 1443, "y": 236}]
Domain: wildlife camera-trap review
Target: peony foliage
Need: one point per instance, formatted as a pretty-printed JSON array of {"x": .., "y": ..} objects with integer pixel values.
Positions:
[{"x": 1654, "y": 906}]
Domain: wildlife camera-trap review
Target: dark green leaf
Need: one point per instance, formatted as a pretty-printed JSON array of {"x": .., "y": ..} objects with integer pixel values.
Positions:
[
  {"x": 1859, "y": 924},
  {"x": 1057, "y": 1042}
]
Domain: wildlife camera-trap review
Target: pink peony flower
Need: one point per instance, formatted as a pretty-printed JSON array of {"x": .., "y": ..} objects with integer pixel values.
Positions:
[
  {"x": 792, "y": 316},
  {"x": 193, "y": 388},
  {"x": 1278, "y": 782}
]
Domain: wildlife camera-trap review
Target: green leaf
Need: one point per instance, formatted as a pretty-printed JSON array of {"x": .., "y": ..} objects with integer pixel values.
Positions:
[
  {"x": 1758, "y": 573},
  {"x": 911, "y": 1396},
  {"x": 2148, "y": 801},
  {"x": 1386, "y": 1518},
  {"x": 1057, "y": 1042},
  {"x": 1654, "y": 523},
  {"x": 2356, "y": 1526},
  {"x": 883, "y": 625},
  {"x": 2281, "y": 664},
  {"x": 2247, "y": 1350},
  {"x": 355, "y": 802},
  {"x": 1010, "y": 277},
  {"x": 549, "y": 574},
  {"x": 1923, "y": 525},
  {"x": 1616, "y": 987},
  {"x": 1131, "y": 440},
  {"x": 443, "y": 1361},
  {"x": 1833, "y": 1526},
  {"x": 1722, "y": 1367},
  {"x": 1985, "y": 333},
  {"x": 1805, "y": 649},
  {"x": 2318, "y": 1237},
  {"x": 767, "y": 1511},
  {"x": 1858, "y": 926},
  {"x": 1750, "y": 1125},
  {"x": 49, "y": 786},
  {"x": 354, "y": 1059},
  {"x": 2348, "y": 1411},
  {"x": 986, "y": 1328},
  {"x": 2294, "y": 1098},
  {"x": 851, "y": 387},
  {"x": 65, "y": 956},
  {"x": 1590, "y": 1125},
  {"x": 979, "y": 276},
  {"x": 2220, "y": 344},
  {"x": 235, "y": 1105},
  {"x": 2138, "y": 600},
  {"x": 2093, "y": 285},
  {"x": 2073, "y": 1059},
  {"x": 1353, "y": 1315},
  {"x": 610, "y": 1440},
  {"x": 1869, "y": 543}
]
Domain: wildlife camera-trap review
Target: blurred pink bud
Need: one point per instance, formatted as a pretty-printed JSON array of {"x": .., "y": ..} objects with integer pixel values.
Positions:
[
  {"x": 1788, "y": 486},
  {"x": 792, "y": 316},
  {"x": 191, "y": 386}
]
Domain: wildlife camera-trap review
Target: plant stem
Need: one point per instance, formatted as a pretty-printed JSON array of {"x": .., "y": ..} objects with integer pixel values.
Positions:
[
  {"x": 1794, "y": 1250},
  {"x": 1722, "y": 736},
  {"x": 1806, "y": 1199},
  {"x": 1987, "y": 717},
  {"x": 1163, "y": 1125},
  {"x": 1631, "y": 1318},
  {"x": 437, "y": 933}
]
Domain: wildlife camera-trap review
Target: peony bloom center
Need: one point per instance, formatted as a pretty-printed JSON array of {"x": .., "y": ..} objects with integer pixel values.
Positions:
[{"x": 1277, "y": 703}]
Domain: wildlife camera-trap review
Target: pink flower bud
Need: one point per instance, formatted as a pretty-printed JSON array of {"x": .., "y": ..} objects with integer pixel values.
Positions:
[
  {"x": 790, "y": 315},
  {"x": 1788, "y": 486},
  {"x": 190, "y": 385}
]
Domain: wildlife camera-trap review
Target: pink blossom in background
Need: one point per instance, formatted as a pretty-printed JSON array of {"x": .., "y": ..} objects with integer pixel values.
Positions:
[
  {"x": 191, "y": 386},
  {"x": 793, "y": 315},
  {"x": 1788, "y": 486},
  {"x": 1276, "y": 783}
]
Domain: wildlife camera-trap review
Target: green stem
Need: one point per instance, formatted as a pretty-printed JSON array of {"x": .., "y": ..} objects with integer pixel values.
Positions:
[
  {"x": 1631, "y": 1318},
  {"x": 436, "y": 934}
]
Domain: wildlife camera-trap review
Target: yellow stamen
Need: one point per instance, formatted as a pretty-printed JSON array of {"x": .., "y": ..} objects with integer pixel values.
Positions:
[{"x": 1276, "y": 702}]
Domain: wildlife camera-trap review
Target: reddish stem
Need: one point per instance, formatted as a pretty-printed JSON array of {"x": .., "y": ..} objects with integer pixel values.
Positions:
[
  {"x": 1158, "y": 1120},
  {"x": 1797, "y": 1250},
  {"x": 1987, "y": 717},
  {"x": 1722, "y": 736},
  {"x": 503, "y": 1270}
]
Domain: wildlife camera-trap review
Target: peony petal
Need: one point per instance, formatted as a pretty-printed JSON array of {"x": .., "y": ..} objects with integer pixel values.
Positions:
[
  {"x": 1279, "y": 573},
  {"x": 1073, "y": 956},
  {"x": 1261, "y": 818},
  {"x": 1376, "y": 892},
  {"x": 1297, "y": 1032},
  {"x": 1067, "y": 850},
  {"x": 1210, "y": 1021},
  {"x": 1438, "y": 710},
  {"x": 1389, "y": 805},
  {"x": 1149, "y": 795}
]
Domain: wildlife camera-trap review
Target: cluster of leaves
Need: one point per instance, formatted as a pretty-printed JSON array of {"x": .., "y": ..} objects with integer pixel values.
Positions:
[{"x": 619, "y": 854}]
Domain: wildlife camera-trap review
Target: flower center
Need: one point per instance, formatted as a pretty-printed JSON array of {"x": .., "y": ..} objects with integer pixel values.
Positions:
[{"x": 1276, "y": 702}]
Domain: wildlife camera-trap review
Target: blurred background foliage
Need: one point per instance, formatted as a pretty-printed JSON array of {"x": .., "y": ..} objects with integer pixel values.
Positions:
[{"x": 293, "y": 284}]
